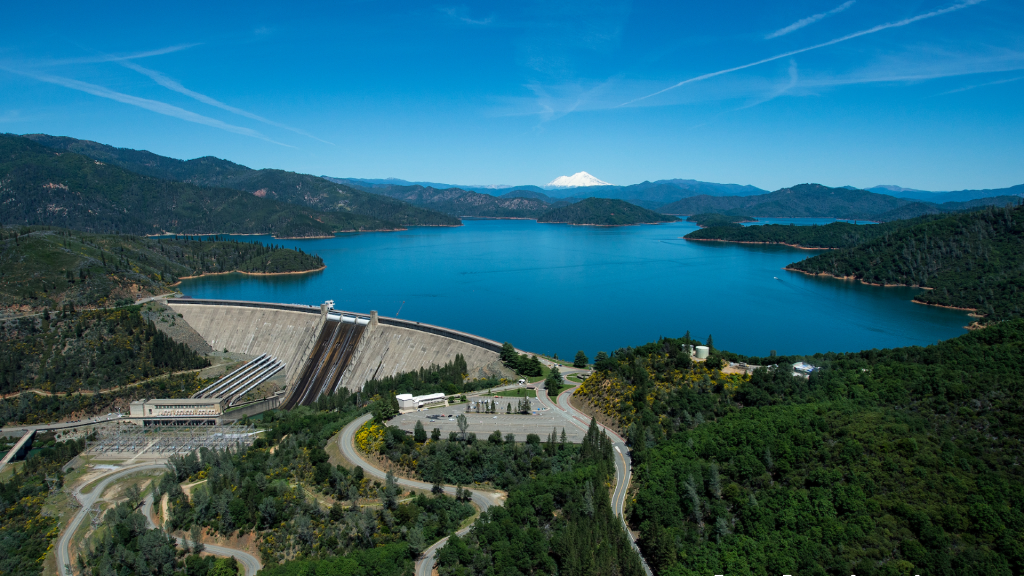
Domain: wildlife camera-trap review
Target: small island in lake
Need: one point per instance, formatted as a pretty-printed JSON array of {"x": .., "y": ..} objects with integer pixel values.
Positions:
[{"x": 604, "y": 212}]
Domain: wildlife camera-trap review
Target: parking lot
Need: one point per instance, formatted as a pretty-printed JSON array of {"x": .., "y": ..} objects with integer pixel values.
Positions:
[{"x": 539, "y": 422}]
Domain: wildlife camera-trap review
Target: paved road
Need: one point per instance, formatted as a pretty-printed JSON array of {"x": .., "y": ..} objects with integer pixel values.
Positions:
[
  {"x": 623, "y": 468},
  {"x": 251, "y": 563},
  {"x": 483, "y": 500},
  {"x": 87, "y": 500}
]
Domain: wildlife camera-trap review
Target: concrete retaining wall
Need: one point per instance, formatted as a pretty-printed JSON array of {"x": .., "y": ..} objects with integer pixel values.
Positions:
[
  {"x": 285, "y": 332},
  {"x": 251, "y": 409}
]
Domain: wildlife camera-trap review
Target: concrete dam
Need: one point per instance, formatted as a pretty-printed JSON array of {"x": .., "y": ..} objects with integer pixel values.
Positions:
[{"x": 324, "y": 350}]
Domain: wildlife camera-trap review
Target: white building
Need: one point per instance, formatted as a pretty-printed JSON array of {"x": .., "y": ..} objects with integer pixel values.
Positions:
[
  {"x": 410, "y": 402},
  {"x": 805, "y": 368}
]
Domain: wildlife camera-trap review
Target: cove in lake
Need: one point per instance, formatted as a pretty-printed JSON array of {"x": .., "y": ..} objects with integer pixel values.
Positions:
[{"x": 554, "y": 288}]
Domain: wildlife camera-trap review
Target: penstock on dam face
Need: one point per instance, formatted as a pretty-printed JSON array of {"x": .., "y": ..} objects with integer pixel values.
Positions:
[
  {"x": 324, "y": 352},
  {"x": 324, "y": 369}
]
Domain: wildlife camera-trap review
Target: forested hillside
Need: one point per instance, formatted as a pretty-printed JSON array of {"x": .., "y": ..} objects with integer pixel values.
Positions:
[
  {"x": 41, "y": 187},
  {"x": 91, "y": 350},
  {"x": 288, "y": 187},
  {"x": 44, "y": 267},
  {"x": 26, "y": 532},
  {"x": 603, "y": 212},
  {"x": 973, "y": 260},
  {"x": 900, "y": 461}
]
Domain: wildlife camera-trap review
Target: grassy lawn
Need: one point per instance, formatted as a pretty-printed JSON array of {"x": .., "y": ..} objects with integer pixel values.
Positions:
[
  {"x": 544, "y": 371},
  {"x": 517, "y": 393}
]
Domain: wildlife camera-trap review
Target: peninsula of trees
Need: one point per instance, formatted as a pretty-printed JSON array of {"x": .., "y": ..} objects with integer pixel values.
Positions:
[
  {"x": 973, "y": 260},
  {"x": 51, "y": 268},
  {"x": 604, "y": 212}
]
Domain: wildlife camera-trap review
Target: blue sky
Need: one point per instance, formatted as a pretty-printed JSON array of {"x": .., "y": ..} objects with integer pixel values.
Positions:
[{"x": 924, "y": 94}]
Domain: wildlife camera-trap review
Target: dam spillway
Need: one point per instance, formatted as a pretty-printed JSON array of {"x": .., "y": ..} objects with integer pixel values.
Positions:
[
  {"x": 324, "y": 350},
  {"x": 326, "y": 365}
]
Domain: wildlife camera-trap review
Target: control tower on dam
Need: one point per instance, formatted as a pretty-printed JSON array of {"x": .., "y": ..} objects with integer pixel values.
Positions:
[{"x": 325, "y": 349}]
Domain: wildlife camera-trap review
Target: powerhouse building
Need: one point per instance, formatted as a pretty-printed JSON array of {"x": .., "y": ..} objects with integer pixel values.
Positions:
[{"x": 176, "y": 411}]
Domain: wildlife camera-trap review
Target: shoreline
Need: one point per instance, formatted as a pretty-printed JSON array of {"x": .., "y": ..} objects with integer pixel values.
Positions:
[
  {"x": 271, "y": 234},
  {"x": 975, "y": 324},
  {"x": 797, "y": 246},
  {"x": 180, "y": 278},
  {"x": 611, "y": 225}
]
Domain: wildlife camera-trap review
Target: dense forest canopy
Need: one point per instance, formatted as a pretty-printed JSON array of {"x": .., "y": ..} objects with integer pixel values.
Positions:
[
  {"x": 603, "y": 212},
  {"x": 54, "y": 267},
  {"x": 973, "y": 260},
  {"x": 88, "y": 350},
  {"x": 901, "y": 461},
  {"x": 287, "y": 187},
  {"x": 25, "y": 531}
]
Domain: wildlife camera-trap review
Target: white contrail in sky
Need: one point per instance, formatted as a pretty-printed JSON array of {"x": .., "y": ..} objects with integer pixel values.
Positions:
[
  {"x": 151, "y": 105},
  {"x": 809, "y": 20},
  {"x": 114, "y": 58},
  {"x": 177, "y": 87},
  {"x": 878, "y": 28}
]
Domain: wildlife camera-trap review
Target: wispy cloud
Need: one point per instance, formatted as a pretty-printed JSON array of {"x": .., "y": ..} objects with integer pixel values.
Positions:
[
  {"x": 171, "y": 84},
  {"x": 794, "y": 78},
  {"x": 966, "y": 88},
  {"x": 879, "y": 28},
  {"x": 809, "y": 20},
  {"x": 145, "y": 103},
  {"x": 99, "y": 59},
  {"x": 460, "y": 15}
]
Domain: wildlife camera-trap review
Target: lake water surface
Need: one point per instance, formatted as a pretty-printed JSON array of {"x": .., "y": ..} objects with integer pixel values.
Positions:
[{"x": 553, "y": 288}]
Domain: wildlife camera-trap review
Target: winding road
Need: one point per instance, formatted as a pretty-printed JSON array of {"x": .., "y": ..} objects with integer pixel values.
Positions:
[
  {"x": 483, "y": 500},
  {"x": 623, "y": 472},
  {"x": 251, "y": 563}
]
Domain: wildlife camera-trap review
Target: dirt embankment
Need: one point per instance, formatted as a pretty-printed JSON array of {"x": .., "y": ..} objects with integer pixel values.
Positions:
[{"x": 589, "y": 409}]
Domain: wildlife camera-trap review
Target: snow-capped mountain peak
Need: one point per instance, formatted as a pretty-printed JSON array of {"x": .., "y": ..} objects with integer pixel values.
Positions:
[{"x": 577, "y": 180}]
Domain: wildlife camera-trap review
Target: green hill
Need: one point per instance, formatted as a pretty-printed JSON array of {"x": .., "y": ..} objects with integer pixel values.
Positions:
[
  {"x": 289, "y": 187},
  {"x": 51, "y": 268},
  {"x": 603, "y": 212},
  {"x": 972, "y": 260},
  {"x": 65, "y": 189}
]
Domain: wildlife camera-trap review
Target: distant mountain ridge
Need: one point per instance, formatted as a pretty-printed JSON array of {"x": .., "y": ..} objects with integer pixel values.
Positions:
[
  {"x": 942, "y": 197},
  {"x": 42, "y": 186},
  {"x": 289, "y": 187},
  {"x": 817, "y": 201}
]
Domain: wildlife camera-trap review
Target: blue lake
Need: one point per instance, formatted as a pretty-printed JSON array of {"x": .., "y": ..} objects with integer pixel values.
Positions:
[{"x": 553, "y": 288}]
